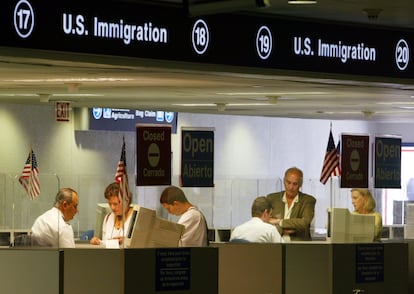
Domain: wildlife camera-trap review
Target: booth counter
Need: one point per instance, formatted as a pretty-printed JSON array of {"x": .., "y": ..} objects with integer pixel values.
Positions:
[
  {"x": 250, "y": 268},
  {"x": 148, "y": 270},
  {"x": 410, "y": 266},
  {"x": 109, "y": 271},
  {"x": 313, "y": 267},
  {"x": 371, "y": 268},
  {"x": 224, "y": 268},
  {"x": 30, "y": 271}
]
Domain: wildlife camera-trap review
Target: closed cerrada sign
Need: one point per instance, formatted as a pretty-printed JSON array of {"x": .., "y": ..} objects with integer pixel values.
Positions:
[
  {"x": 153, "y": 155},
  {"x": 197, "y": 158}
]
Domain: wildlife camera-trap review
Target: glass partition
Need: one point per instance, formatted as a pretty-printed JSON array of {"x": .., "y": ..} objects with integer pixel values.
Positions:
[{"x": 225, "y": 205}]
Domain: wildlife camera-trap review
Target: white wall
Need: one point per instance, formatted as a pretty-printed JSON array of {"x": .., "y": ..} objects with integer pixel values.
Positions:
[{"x": 251, "y": 155}]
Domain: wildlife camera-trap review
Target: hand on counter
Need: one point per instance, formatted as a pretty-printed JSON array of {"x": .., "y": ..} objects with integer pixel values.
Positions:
[{"x": 95, "y": 241}]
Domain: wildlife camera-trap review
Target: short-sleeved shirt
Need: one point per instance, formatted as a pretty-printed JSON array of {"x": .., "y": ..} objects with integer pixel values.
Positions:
[
  {"x": 195, "y": 232},
  {"x": 256, "y": 231},
  {"x": 51, "y": 229}
]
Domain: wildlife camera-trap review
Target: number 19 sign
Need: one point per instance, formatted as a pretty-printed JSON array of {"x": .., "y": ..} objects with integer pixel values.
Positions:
[{"x": 264, "y": 42}]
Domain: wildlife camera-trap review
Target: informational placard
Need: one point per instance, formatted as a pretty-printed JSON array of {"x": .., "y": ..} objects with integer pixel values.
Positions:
[
  {"x": 173, "y": 269},
  {"x": 153, "y": 155},
  {"x": 126, "y": 28},
  {"x": 369, "y": 263},
  {"x": 197, "y": 158},
  {"x": 354, "y": 161},
  {"x": 387, "y": 161}
]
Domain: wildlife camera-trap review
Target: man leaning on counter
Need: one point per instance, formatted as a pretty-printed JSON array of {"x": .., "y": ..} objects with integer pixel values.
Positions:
[{"x": 293, "y": 211}]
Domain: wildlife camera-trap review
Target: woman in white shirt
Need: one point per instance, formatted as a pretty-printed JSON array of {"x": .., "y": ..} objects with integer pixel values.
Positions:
[{"x": 116, "y": 223}]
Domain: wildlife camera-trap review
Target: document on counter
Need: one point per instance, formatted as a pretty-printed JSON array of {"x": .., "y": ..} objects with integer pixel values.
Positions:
[{"x": 112, "y": 244}]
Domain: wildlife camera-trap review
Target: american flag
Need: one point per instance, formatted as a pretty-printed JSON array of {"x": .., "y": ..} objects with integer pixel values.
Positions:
[
  {"x": 29, "y": 177},
  {"x": 331, "y": 166},
  {"x": 121, "y": 176},
  {"x": 337, "y": 171}
]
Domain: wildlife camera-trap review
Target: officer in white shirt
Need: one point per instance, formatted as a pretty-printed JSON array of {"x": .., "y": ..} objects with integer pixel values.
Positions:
[
  {"x": 52, "y": 228},
  {"x": 257, "y": 229}
]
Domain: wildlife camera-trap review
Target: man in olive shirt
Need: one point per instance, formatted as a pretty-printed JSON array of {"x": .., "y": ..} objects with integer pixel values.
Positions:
[{"x": 293, "y": 211}]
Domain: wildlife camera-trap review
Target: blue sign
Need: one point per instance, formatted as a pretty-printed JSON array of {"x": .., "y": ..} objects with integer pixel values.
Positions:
[
  {"x": 173, "y": 269},
  {"x": 387, "y": 162},
  {"x": 369, "y": 263},
  {"x": 197, "y": 158},
  {"x": 112, "y": 119}
]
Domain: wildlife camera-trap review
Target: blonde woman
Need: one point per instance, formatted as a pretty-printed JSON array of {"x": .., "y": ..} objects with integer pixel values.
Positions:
[{"x": 364, "y": 203}]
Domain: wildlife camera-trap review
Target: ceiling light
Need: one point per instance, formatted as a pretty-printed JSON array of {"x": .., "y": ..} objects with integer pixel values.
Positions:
[
  {"x": 273, "y": 99},
  {"x": 217, "y": 104},
  {"x": 372, "y": 13},
  {"x": 78, "y": 95},
  {"x": 271, "y": 93},
  {"x": 18, "y": 95},
  {"x": 221, "y": 106},
  {"x": 44, "y": 98},
  {"x": 73, "y": 87},
  {"x": 302, "y": 2},
  {"x": 195, "y": 104},
  {"x": 262, "y": 3},
  {"x": 368, "y": 114},
  {"x": 55, "y": 80}
]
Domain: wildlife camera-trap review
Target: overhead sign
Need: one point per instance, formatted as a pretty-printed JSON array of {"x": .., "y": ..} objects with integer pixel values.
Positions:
[
  {"x": 387, "y": 162},
  {"x": 167, "y": 33},
  {"x": 153, "y": 155},
  {"x": 197, "y": 158},
  {"x": 115, "y": 119},
  {"x": 354, "y": 161}
]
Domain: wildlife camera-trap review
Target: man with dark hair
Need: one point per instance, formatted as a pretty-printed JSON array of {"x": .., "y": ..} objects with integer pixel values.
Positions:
[
  {"x": 52, "y": 227},
  {"x": 293, "y": 211},
  {"x": 257, "y": 229},
  {"x": 175, "y": 202}
]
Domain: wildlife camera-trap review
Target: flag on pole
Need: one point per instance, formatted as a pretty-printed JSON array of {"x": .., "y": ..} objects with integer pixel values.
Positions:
[
  {"x": 29, "y": 177},
  {"x": 121, "y": 176},
  {"x": 337, "y": 171},
  {"x": 331, "y": 166}
]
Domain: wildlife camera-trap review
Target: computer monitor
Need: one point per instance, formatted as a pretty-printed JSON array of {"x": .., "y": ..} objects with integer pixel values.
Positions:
[
  {"x": 149, "y": 231},
  {"x": 346, "y": 227},
  {"x": 102, "y": 209}
]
